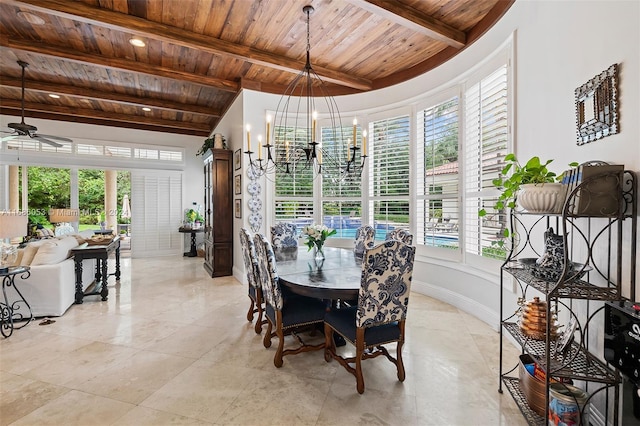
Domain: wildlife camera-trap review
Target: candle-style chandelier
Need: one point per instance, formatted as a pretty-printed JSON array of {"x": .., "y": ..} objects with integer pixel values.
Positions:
[{"x": 291, "y": 147}]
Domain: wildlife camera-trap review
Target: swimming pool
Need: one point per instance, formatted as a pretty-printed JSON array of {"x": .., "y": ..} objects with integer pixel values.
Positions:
[{"x": 429, "y": 240}]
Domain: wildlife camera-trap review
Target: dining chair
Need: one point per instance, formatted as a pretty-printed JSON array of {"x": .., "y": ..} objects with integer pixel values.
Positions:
[
  {"x": 400, "y": 234},
  {"x": 365, "y": 235},
  {"x": 284, "y": 316},
  {"x": 379, "y": 317},
  {"x": 251, "y": 268},
  {"x": 284, "y": 235}
]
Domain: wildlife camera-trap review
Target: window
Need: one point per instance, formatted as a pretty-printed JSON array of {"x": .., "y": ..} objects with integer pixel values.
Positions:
[
  {"x": 486, "y": 143},
  {"x": 389, "y": 173},
  {"x": 293, "y": 190},
  {"x": 437, "y": 175},
  {"x": 341, "y": 188}
]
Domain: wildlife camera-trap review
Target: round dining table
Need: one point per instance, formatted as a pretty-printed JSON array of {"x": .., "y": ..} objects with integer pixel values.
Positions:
[{"x": 335, "y": 278}]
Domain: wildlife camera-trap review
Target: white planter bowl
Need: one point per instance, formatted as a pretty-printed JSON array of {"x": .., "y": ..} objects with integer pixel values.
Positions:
[{"x": 542, "y": 198}]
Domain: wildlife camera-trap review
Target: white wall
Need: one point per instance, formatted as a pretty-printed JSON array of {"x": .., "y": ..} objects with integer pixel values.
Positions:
[{"x": 559, "y": 46}]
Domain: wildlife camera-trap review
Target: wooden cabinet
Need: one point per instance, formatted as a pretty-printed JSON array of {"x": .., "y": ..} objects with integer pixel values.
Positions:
[{"x": 218, "y": 212}]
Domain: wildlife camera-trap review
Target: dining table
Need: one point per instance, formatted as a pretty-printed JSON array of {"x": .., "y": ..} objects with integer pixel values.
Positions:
[{"x": 337, "y": 277}]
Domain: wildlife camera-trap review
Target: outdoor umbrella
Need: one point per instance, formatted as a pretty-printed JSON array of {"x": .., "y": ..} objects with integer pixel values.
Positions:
[{"x": 126, "y": 209}]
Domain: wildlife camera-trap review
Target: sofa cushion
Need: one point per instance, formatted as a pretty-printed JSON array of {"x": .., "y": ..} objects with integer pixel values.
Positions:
[
  {"x": 54, "y": 251},
  {"x": 30, "y": 252},
  {"x": 19, "y": 258}
]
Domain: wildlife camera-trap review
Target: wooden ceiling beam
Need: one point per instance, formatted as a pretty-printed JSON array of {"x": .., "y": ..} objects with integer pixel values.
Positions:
[
  {"x": 101, "y": 122},
  {"x": 415, "y": 20},
  {"x": 110, "y": 116},
  {"x": 116, "y": 63},
  {"x": 83, "y": 93},
  {"x": 83, "y": 12}
]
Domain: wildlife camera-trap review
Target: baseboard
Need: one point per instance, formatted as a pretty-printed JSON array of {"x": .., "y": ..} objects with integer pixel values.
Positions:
[{"x": 461, "y": 302}]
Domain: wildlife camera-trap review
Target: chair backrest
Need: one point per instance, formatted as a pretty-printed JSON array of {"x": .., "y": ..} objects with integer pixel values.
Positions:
[
  {"x": 400, "y": 234},
  {"x": 249, "y": 257},
  {"x": 365, "y": 235},
  {"x": 267, "y": 272},
  {"x": 385, "y": 283},
  {"x": 284, "y": 234}
]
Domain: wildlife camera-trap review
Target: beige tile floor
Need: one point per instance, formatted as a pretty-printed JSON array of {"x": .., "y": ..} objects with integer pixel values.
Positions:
[{"x": 172, "y": 346}]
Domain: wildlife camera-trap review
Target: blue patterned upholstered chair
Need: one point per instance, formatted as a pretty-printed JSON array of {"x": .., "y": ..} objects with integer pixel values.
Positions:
[
  {"x": 284, "y": 235},
  {"x": 284, "y": 316},
  {"x": 365, "y": 235},
  {"x": 251, "y": 268},
  {"x": 400, "y": 234},
  {"x": 380, "y": 315}
]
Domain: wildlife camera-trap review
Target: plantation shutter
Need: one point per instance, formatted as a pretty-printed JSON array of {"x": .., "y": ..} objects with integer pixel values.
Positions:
[
  {"x": 438, "y": 174},
  {"x": 486, "y": 144},
  {"x": 390, "y": 160},
  {"x": 299, "y": 181},
  {"x": 156, "y": 213}
]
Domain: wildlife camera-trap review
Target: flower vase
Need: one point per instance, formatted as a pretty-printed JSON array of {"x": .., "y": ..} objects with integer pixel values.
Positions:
[{"x": 318, "y": 253}]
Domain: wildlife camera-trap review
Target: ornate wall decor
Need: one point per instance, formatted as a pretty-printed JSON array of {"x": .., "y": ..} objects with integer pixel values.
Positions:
[
  {"x": 597, "y": 106},
  {"x": 255, "y": 202}
]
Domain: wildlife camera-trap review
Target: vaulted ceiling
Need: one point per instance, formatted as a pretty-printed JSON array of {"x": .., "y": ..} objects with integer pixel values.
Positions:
[{"x": 199, "y": 54}]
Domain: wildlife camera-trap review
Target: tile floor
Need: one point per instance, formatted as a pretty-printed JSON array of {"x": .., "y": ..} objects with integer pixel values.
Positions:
[{"x": 172, "y": 346}]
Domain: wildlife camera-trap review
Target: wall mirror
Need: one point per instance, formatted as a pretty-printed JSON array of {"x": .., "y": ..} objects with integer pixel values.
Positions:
[{"x": 597, "y": 106}]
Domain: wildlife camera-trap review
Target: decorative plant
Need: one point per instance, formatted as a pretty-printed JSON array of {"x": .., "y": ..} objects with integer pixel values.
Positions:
[
  {"x": 209, "y": 143},
  {"x": 317, "y": 235},
  {"x": 194, "y": 216},
  {"x": 534, "y": 171}
]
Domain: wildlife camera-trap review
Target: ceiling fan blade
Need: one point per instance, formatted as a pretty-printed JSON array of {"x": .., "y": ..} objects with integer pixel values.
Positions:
[
  {"x": 58, "y": 138},
  {"x": 45, "y": 140},
  {"x": 8, "y": 138}
]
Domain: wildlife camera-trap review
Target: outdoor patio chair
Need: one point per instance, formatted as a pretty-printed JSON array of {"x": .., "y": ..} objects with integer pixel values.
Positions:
[{"x": 379, "y": 317}]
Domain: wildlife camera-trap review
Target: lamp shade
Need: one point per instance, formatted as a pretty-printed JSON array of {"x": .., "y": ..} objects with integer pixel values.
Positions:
[
  {"x": 13, "y": 224},
  {"x": 63, "y": 215}
]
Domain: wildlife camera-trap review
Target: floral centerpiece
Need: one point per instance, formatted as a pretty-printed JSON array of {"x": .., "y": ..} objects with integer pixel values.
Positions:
[{"x": 316, "y": 236}]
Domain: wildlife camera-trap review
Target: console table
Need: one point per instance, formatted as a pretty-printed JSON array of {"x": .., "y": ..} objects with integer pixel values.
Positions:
[
  {"x": 101, "y": 254},
  {"x": 9, "y": 311},
  {"x": 193, "y": 252}
]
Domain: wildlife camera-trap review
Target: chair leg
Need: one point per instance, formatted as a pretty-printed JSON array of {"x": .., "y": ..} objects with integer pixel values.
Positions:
[
  {"x": 277, "y": 359},
  {"x": 359, "y": 354},
  {"x": 267, "y": 337},
  {"x": 399, "y": 362},
  {"x": 251, "y": 310},
  {"x": 259, "y": 321}
]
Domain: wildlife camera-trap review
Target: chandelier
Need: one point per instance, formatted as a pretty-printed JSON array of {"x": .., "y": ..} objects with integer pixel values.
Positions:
[{"x": 291, "y": 146}]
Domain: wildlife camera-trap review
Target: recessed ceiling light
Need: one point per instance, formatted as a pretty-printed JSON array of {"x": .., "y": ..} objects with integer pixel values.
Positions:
[
  {"x": 137, "y": 42},
  {"x": 54, "y": 96},
  {"x": 30, "y": 17},
  {"x": 146, "y": 109}
]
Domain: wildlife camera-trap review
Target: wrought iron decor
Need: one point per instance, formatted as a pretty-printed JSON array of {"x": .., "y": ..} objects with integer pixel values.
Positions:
[{"x": 597, "y": 106}]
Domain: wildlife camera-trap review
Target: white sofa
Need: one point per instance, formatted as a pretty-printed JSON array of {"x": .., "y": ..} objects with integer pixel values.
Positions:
[{"x": 50, "y": 289}]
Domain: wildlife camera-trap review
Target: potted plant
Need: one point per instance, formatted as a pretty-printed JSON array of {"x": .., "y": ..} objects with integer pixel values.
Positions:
[
  {"x": 216, "y": 141},
  {"x": 536, "y": 188}
]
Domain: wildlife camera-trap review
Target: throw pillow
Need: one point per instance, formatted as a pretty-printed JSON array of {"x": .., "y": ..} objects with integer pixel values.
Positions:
[
  {"x": 54, "y": 251},
  {"x": 30, "y": 252},
  {"x": 19, "y": 258}
]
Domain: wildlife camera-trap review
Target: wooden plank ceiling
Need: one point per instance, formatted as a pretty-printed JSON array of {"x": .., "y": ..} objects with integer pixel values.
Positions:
[{"x": 199, "y": 54}]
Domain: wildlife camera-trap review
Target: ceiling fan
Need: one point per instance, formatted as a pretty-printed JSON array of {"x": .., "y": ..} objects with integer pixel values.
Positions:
[{"x": 24, "y": 129}]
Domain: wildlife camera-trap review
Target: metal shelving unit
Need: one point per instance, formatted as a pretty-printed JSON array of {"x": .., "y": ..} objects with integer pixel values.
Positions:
[{"x": 599, "y": 280}]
